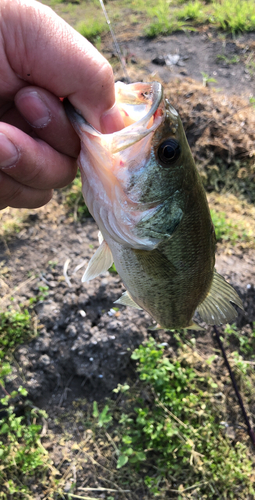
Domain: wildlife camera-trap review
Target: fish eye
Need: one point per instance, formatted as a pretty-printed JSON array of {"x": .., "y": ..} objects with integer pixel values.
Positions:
[{"x": 169, "y": 151}]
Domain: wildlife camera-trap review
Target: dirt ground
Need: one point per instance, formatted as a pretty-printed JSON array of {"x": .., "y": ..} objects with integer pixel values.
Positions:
[{"x": 83, "y": 346}]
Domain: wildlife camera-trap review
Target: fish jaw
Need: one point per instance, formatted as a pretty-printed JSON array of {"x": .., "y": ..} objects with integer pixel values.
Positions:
[{"x": 108, "y": 161}]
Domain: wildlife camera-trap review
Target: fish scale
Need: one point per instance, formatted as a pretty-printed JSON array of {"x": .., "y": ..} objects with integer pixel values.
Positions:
[{"x": 143, "y": 189}]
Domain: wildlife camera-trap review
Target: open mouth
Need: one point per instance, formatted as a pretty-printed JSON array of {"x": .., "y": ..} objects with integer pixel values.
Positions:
[
  {"x": 139, "y": 102},
  {"x": 142, "y": 108}
]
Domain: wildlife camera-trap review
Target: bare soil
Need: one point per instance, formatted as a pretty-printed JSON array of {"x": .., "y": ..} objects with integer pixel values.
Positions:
[{"x": 199, "y": 52}]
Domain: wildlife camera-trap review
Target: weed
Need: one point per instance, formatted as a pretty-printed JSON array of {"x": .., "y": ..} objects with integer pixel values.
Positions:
[
  {"x": 12, "y": 224},
  {"x": 227, "y": 230},
  {"x": 74, "y": 199},
  {"x": 192, "y": 11},
  {"x": 113, "y": 269},
  {"x": 92, "y": 29},
  {"x": 52, "y": 264},
  {"x": 252, "y": 101},
  {"x": 163, "y": 23},
  {"x": 234, "y": 15},
  {"x": 207, "y": 79},
  {"x": 250, "y": 65},
  {"x": 43, "y": 291},
  {"x": 22, "y": 455},
  {"x": 246, "y": 341},
  {"x": 233, "y": 60},
  {"x": 15, "y": 328},
  {"x": 103, "y": 417},
  {"x": 170, "y": 425}
]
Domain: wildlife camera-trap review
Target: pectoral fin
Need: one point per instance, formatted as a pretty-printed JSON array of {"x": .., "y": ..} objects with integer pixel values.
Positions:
[
  {"x": 126, "y": 300},
  {"x": 216, "y": 308},
  {"x": 99, "y": 263}
]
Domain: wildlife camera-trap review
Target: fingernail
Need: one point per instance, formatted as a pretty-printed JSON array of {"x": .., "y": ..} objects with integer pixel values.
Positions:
[
  {"x": 111, "y": 121},
  {"x": 9, "y": 154},
  {"x": 33, "y": 108}
]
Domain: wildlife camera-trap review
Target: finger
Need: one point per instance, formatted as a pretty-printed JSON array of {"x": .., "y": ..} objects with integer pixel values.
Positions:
[
  {"x": 16, "y": 195},
  {"x": 46, "y": 52},
  {"x": 45, "y": 113},
  {"x": 33, "y": 162},
  {"x": 13, "y": 117}
]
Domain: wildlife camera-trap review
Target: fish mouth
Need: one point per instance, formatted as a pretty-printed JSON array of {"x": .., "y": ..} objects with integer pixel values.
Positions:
[{"x": 142, "y": 108}]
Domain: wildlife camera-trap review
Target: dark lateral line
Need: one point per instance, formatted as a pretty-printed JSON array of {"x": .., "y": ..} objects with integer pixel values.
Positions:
[{"x": 250, "y": 430}]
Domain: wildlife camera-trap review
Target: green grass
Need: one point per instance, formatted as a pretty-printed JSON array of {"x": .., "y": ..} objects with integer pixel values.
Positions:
[
  {"x": 162, "y": 432},
  {"x": 227, "y": 230},
  {"x": 193, "y": 11},
  {"x": 74, "y": 199},
  {"x": 113, "y": 269},
  {"x": 43, "y": 291},
  {"x": 234, "y": 15},
  {"x": 16, "y": 327},
  {"x": 160, "y": 17},
  {"x": 227, "y": 60},
  {"x": 230, "y": 16},
  {"x": 245, "y": 341},
  {"x": 163, "y": 23},
  {"x": 169, "y": 428},
  {"x": 22, "y": 456},
  {"x": 92, "y": 29}
]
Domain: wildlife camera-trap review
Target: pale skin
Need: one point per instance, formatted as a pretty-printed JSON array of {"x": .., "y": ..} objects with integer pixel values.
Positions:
[{"x": 43, "y": 59}]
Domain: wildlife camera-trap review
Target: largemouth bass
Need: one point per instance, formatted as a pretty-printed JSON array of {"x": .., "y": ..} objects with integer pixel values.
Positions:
[{"x": 143, "y": 189}]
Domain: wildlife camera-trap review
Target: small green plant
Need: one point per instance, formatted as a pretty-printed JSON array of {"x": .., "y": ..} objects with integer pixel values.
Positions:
[
  {"x": 246, "y": 341},
  {"x": 92, "y": 29},
  {"x": 175, "y": 428},
  {"x": 163, "y": 23},
  {"x": 74, "y": 199},
  {"x": 227, "y": 230},
  {"x": 250, "y": 65},
  {"x": 234, "y": 15},
  {"x": 43, "y": 291},
  {"x": 207, "y": 79},
  {"x": 103, "y": 417},
  {"x": 52, "y": 263},
  {"x": 192, "y": 11},
  {"x": 113, "y": 269},
  {"x": 233, "y": 60},
  {"x": 15, "y": 328},
  {"x": 252, "y": 101},
  {"x": 22, "y": 454}
]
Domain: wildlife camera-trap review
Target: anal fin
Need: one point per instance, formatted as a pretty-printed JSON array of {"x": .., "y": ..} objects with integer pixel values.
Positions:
[
  {"x": 216, "y": 308},
  {"x": 126, "y": 300},
  {"x": 194, "y": 326},
  {"x": 99, "y": 263}
]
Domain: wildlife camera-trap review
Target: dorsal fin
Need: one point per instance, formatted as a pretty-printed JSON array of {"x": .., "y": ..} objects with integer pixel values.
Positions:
[
  {"x": 126, "y": 300},
  {"x": 99, "y": 263},
  {"x": 216, "y": 308}
]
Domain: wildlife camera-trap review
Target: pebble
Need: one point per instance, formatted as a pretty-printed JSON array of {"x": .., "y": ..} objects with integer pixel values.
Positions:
[
  {"x": 44, "y": 360},
  {"x": 159, "y": 61},
  {"x": 71, "y": 331}
]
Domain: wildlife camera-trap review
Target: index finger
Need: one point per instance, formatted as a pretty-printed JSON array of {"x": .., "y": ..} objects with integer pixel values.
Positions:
[{"x": 41, "y": 49}]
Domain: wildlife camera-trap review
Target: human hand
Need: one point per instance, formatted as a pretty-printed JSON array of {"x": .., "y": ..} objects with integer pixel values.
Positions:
[{"x": 42, "y": 59}]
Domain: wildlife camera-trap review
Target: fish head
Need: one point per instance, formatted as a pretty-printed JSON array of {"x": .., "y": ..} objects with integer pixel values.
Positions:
[{"x": 133, "y": 179}]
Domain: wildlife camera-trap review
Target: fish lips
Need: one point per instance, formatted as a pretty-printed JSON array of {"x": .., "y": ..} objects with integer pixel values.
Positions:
[{"x": 135, "y": 94}]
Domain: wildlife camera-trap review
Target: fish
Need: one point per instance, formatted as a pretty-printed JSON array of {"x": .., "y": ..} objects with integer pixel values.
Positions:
[{"x": 144, "y": 191}]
